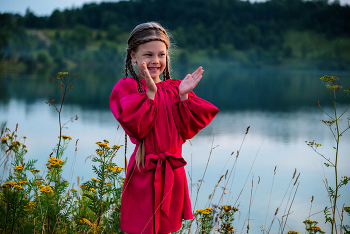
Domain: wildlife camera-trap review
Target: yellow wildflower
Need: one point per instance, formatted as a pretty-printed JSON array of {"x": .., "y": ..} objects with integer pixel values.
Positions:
[
  {"x": 18, "y": 168},
  {"x": 204, "y": 211},
  {"x": 109, "y": 184},
  {"x": 9, "y": 184},
  {"x": 310, "y": 221},
  {"x": 18, "y": 187},
  {"x": 31, "y": 204},
  {"x": 106, "y": 141},
  {"x": 39, "y": 182},
  {"x": 73, "y": 190},
  {"x": 16, "y": 143},
  {"x": 3, "y": 140},
  {"x": 116, "y": 147},
  {"x": 94, "y": 179},
  {"x": 65, "y": 137},
  {"x": 55, "y": 162},
  {"x": 116, "y": 169},
  {"x": 316, "y": 228},
  {"x": 22, "y": 182},
  {"x": 87, "y": 222},
  {"x": 46, "y": 189},
  {"x": 35, "y": 170},
  {"x": 93, "y": 190}
]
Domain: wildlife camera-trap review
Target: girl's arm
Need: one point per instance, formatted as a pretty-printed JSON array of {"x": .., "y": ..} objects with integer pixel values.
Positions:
[
  {"x": 135, "y": 111},
  {"x": 191, "y": 113},
  {"x": 188, "y": 84}
]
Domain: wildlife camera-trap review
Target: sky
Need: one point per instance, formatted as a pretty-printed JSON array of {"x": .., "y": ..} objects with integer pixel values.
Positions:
[
  {"x": 46, "y": 7},
  {"x": 42, "y": 7}
]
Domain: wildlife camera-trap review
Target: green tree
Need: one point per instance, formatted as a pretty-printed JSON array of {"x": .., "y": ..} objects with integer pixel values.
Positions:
[{"x": 56, "y": 20}]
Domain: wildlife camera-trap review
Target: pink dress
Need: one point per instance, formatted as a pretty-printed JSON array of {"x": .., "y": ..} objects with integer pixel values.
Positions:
[{"x": 155, "y": 199}]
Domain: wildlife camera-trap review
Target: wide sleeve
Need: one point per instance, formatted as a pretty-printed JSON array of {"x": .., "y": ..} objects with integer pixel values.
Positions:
[
  {"x": 135, "y": 112},
  {"x": 192, "y": 115}
]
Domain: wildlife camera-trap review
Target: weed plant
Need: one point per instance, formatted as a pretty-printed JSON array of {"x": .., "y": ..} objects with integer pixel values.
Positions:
[{"x": 335, "y": 93}]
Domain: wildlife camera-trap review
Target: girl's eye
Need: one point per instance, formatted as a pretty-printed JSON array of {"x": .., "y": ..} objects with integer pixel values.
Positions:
[
  {"x": 161, "y": 55},
  {"x": 148, "y": 54}
]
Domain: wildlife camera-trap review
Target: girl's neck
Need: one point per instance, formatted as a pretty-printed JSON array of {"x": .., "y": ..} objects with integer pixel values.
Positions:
[{"x": 156, "y": 80}]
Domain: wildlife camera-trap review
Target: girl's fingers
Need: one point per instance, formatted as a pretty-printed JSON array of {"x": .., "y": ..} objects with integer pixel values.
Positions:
[
  {"x": 187, "y": 76},
  {"x": 146, "y": 72},
  {"x": 198, "y": 74},
  {"x": 196, "y": 71}
]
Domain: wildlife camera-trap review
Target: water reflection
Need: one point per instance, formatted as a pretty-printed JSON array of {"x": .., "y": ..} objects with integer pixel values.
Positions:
[{"x": 226, "y": 87}]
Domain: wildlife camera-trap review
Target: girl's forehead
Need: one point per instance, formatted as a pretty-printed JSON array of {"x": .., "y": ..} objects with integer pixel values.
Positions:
[{"x": 153, "y": 46}]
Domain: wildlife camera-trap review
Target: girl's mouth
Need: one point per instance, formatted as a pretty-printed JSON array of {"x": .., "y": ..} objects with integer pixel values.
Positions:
[{"x": 153, "y": 69}]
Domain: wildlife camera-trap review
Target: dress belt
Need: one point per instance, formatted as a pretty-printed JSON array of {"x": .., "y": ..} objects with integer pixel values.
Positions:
[{"x": 163, "y": 163}]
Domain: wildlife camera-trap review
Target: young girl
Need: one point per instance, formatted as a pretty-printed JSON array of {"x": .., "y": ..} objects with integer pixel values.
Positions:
[{"x": 158, "y": 116}]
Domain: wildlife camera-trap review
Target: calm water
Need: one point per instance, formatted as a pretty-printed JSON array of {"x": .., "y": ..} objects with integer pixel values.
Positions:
[{"x": 274, "y": 103}]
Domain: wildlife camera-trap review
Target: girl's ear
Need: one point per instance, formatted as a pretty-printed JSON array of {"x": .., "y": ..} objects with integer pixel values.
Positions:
[{"x": 133, "y": 57}]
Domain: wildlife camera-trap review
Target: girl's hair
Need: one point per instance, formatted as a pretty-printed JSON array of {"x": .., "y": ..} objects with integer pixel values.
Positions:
[{"x": 142, "y": 34}]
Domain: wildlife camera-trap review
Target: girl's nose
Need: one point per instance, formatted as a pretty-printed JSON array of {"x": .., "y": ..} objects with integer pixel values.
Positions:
[{"x": 155, "y": 60}]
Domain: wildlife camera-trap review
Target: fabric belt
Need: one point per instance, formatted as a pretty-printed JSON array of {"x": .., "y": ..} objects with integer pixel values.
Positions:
[{"x": 164, "y": 165}]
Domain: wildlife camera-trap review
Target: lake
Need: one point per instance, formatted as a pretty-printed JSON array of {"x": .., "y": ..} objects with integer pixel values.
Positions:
[{"x": 275, "y": 103}]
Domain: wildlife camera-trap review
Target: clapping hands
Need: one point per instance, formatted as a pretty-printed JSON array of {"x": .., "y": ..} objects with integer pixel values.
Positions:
[
  {"x": 189, "y": 82},
  {"x": 186, "y": 85}
]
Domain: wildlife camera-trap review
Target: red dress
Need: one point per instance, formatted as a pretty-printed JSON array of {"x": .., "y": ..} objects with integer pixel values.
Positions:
[{"x": 155, "y": 199}]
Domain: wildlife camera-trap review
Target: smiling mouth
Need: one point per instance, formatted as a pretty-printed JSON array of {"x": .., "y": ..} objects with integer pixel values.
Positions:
[{"x": 153, "y": 69}]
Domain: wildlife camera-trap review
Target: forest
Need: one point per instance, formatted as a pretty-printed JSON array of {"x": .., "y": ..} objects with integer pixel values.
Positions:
[{"x": 291, "y": 33}]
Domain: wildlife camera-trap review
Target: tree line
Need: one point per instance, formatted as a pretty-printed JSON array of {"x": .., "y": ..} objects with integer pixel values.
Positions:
[{"x": 218, "y": 26}]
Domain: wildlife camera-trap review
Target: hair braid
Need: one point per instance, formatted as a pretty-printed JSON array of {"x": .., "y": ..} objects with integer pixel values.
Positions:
[
  {"x": 143, "y": 41},
  {"x": 166, "y": 72},
  {"x": 147, "y": 28},
  {"x": 127, "y": 60}
]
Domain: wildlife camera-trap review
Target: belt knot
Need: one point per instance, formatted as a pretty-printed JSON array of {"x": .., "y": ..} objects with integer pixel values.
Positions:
[{"x": 162, "y": 156}]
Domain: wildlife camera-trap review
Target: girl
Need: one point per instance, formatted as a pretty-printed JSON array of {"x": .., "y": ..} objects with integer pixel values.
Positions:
[{"x": 158, "y": 116}]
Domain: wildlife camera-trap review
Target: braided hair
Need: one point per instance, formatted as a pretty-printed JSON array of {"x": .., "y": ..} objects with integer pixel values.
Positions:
[{"x": 142, "y": 34}]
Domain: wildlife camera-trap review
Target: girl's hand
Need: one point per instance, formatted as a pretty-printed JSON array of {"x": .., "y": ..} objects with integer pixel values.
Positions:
[
  {"x": 189, "y": 83},
  {"x": 151, "y": 86}
]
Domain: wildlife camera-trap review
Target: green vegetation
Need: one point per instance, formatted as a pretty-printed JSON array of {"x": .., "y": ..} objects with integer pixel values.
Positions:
[{"x": 290, "y": 33}]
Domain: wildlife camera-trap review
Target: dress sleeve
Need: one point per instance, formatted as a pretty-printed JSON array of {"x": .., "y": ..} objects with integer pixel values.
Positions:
[
  {"x": 192, "y": 115},
  {"x": 135, "y": 112}
]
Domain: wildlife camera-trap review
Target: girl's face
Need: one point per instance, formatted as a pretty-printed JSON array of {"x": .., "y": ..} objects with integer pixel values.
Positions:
[{"x": 154, "y": 54}]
